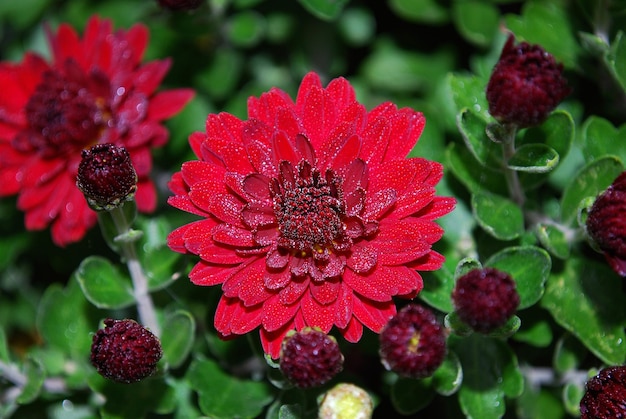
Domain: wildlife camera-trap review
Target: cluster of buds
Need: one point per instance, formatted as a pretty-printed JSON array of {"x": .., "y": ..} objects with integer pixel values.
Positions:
[
  {"x": 125, "y": 351},
  {"x": 485, "y": 299},
  {"x": 525, "y": 86}
]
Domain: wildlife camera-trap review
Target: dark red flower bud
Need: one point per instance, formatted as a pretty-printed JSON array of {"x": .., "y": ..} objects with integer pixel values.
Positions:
[
  {"x": 180, "y": 4},
  {"x": 526, "y": 85},
  {"x": 125, "y": 351},
  {"x": 413, "y": 343},
  {"x": 605, "y": 396},
  {"x": 310, "y": 358},
  {"x": 106, "y": 176},
  {"x": 485, "y": 299},
  {"x": 606, "y": 224}
]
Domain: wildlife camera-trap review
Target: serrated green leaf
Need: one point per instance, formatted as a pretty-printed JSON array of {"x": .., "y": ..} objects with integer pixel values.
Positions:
[
  {"x": 477, "y": 21},
  {"x": 474, "y": 177},
  {"x": 600, "y": 138},
  {"x": 409, "y": 396},
  {"x": 586, "y": 299},
  {"x": 423, "y": 11},
  {"x": 490, "y": 373},
  {"x": 63, "y": 319},
  {"x": 177, "y": 337},
  {"x": 448, "y": 377},
  {"x": 534, "y": 158},
  {"x": 529, "y": 266},
  {"x": 554, "y": 240},
  {"x": 498, "y": 216},
  {"x": 223, "y": 396},
  {"x": 103, "y": 284},
  {"x": 324, "y": 9},
  {"x": 472, "y": 127},
  {"x": 35, "y": 376},
  {"x": 590, "y": 181}
]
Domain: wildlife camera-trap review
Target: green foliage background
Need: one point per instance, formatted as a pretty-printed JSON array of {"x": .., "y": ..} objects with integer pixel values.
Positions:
[{"x": 432, "y": 55}]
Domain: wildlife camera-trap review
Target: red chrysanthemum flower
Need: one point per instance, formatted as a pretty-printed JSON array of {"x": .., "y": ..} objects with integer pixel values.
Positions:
[
  {"x": 312, "y": 215},
  {"x": 606, "y": 224},
  {"x": 605, "y": 395},
  {"x": 94, "y": 90}
]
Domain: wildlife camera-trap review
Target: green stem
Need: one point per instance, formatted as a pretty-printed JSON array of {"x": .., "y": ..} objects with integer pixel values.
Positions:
[
  {"x": 512, "y": 180},
  {"x": 145, "y": 306}
]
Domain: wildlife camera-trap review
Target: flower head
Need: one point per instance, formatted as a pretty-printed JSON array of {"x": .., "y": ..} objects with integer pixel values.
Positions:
[
  {"x": 125, "y": 351},
  {"x": 180, "y": 4},
  {"x": 94, "y": 90},
  {"x": 310, "y": 358},
  {"x": 606, "y": 224},
  {"x": 346, "y": 401},
  {"x": 485, "y": 299},
  {"x": 413, "y": 343},
  {"x": 605, "y": 395},
  {"x": 106, "y": 176},
  {"x": 525, "y": 85},
  {"x": 310, "y": 213}
]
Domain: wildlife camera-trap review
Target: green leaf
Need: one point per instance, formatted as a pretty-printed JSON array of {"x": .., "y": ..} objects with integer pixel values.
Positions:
[
  {"x": 554, "y": 240},
  {"x": 246, "y": 29},
  {"x": 4, "y": 348},
  {"x": 537, "y": 334},
  {"x": 568, "y": 354},
  {"x": 474, "y": 177},
  {"x": 324, "y": 9},
  {"x": 457, "y": 326},
  {"x": 600, "y": 138},
  {"x": 472, "y": 127},
  {"x": 103, "y": 284},
  {"x": 63, "y": 319},
  {"x": 497, "y": 215},
  {"x": 421, "y": 11},
  {"x": 409, "y": 396},
  {"x": 35, "y": 376},
  {"x": 617, "y": 59},
  {"x": 529, "y": 266},
  {"x": 448, "y": 377},
  {"x": 108, "y": 227},
  {"x": 490, "y": 373},
  {"x": 572, "y": 395},
  {"x": 437, "y": 290},
  {"x": 546, "y": 24},
  {"x": 477, "y": 21},
  {"x": 539, "y": 403},
  {"x": 466, "y": 265},
  {"x": 358, "y": 26},
  {"x": 534, "y": 158},
  {"x": 586, "y": 299},
  {"x": 468, "y": 92},
  {"x": 592, "y": 179},
  {"x": 223, "y": 396},
  {"x": 556, "y": 132},
  {"x": 177, "y": 337}
]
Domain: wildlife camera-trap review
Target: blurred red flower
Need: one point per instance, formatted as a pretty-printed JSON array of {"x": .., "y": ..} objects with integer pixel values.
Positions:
[
  {"x": 93, "y": 90},
  {"x": 311, "y": 213}
]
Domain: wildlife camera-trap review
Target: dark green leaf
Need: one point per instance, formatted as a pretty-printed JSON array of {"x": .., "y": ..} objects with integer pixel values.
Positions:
[
  {"x": 572, "y": 395},
  {"x": 246, "y": 29},
  {"x": 476, "y": 20},
  {"x": 468, "y": 92},
  {"x": 594, "y": 178},
  {"x": 466, "y": 265},
  {"x": 223, "y": 396},
  {"x": 529, "y": 266},
  {"x": 448, "y": 377},
  {"x": 498, "y": 216},
  {"x": 472, "y": 127},
  {"x": 601, "y": 138},
  {"x": 103, "y": 284},
  {"x": 437, "y": 290},
  {"x": 556, "y": 132},
  {"x": 617, "y": 59},
  {"x": 423, "y": 11},
  {"x": 409, "y": 396},
  {"x": 4, "y": 348},
  {"x": 539, "y": 403},
  {"x": 358, "y": 26},
  {"x": 534, "y": 158},
  {"x": 554, "y": 240},
  {"x": 568, "y": 354},
  {"x": 177, "y": 337},
  {"x": 586, "y": 298},
  {"x": 474, "y": 177},
  {"x": 324, "y": 9},
  {"x": 537, "y": 334},
  {"x": 453, "y": 322}
]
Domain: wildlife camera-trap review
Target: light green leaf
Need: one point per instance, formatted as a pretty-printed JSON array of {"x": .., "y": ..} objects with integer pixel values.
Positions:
[
  {"x": 103, "y": 284},
  {"x": 422, "y": 11},
  {"x": 177, "y": 337},
  {"x": 497, "y": 215},
  {"x": 246, "y": 29},
  {"x": 324, "y": 9},
  {"x": 572, "y": 395},
  {"x": 529, "y": 266},
  {"x": 534, "y": 158},
  {"x": 477, "y": 21},
  {"x": 586, "y": 299},
  {"x": 600, "y": 138},
  {"x": 35, "y": 376},
  {"x": 568, "y": 354},
  {"x": 554, "y": 240},
  {"x": 223, "y": 396},
  {"x": 472, "y": 127},
  {"x": 593, "y": 179},
  {"x": 556, "y": 132},
  {"x": 448, "y": 377},
  {"x": 468, "y": 92},
  {"x": 4, "y": 348}
]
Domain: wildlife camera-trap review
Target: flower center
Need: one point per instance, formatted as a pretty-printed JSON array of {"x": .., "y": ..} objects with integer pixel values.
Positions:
[
  {"x": 63, "y": 115},
  {"x": 308, "y": 206}
]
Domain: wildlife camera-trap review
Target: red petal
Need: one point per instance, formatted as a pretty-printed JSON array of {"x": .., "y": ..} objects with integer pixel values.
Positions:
[
  {"x": 438, "y": 207},
  {"x": 317, "y": 315},
  {"x": 292, "y": 292},
  {"x": 374, "y": 315},
  {"x": 146, "y": 196},
  {"x": 354, "y": 331},
  {"x": 232, "y": 235},
  {"x": 378, "y": 203},
  {"x": 194, "y": 172},
  {"x": 256, "y": 186},
  {"x": 268, "y": 105},
  {"x": 343, "y": 306},
  {"x": 256, "y": 138},
  {"x": 325, "y": 292},
  {"x": 406, "y": 127},
  {"x": 341, "y": 93},
  {"x": 166, "y": 104},
  {"x": 251, "y": 280},
  {"x": 272, "y": 341},
  {"x": 362, "y": 259},
  {"x": 277, "y": 280},
  {"x": 374, "y": 286},
  {"x": 209, "y": 274},
  {"x": 276, "y": 314}
]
